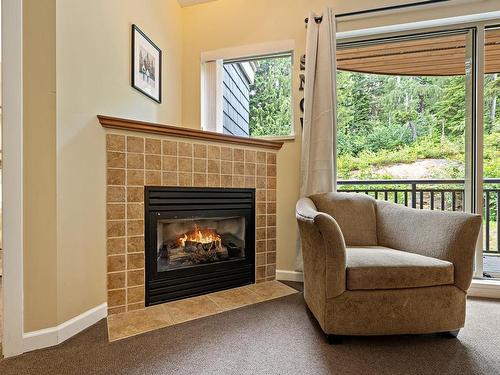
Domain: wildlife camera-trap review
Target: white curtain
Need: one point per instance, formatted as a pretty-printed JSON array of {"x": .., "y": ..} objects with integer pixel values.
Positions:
[{"x": 318, "y": 136}]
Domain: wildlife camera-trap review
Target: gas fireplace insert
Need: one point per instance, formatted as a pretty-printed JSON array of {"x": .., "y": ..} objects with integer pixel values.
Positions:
[{"x": 198, "y": 240}]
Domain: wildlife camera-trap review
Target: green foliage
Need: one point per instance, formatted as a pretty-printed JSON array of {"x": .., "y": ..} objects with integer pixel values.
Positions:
[
  {"x": 270, "y": 98},
  {"x": 384, "y": 120}
]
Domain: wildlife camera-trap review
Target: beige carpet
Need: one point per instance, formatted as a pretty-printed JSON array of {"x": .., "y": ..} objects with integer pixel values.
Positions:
[{"x": 275, "y": 337}]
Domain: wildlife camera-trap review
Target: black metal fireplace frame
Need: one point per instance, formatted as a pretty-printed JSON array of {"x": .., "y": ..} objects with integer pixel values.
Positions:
[{"x": 189, "y": 202}]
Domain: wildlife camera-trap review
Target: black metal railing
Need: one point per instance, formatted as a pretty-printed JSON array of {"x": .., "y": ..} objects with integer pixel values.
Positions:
[{"x": 436, "y": 194}]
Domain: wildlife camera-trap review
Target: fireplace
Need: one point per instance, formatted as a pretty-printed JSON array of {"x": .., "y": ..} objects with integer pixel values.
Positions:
[{"x": 197, "y": 240}]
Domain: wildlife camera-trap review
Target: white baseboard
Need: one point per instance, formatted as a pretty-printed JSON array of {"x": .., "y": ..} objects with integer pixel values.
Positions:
[
  {"x": 484, "y": 289},
  {"x": 44, "y": 338},
  {"x": 289, "y": 275}
]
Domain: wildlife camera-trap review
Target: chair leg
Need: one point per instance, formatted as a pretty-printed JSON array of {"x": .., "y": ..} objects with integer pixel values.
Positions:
[
  {"x": 451, "y": 334},
  {"x": 334, "y": 339}
]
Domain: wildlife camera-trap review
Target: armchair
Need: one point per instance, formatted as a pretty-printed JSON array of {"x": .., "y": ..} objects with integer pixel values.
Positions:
[{"x": 379, "y": 268}]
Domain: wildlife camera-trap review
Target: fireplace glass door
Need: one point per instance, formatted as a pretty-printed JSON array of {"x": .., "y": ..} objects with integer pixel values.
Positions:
[{"x": 195, "y": 241}]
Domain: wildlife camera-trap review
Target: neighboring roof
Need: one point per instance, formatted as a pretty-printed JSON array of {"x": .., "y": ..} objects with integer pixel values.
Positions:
[{"x": 435, "y": 56}]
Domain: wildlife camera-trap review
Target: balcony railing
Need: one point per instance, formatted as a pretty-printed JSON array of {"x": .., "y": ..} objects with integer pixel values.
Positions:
[{"x": 445, "y": 195}]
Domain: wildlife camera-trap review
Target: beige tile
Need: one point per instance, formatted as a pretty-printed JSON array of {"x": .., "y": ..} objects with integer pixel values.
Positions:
[
  {"x": 135, "y": 227},
  {"x": 135, "y": 194},
  {"x": 261, "y": 195},
  {"x": 261, "y": 170},
  {"x": 261, "y": 221},
  {"x": 115, "y": 246},
  {"x": 213, "y": 152},
  {"x": 260, "y": 259},
  {"x": 170, "y": 148},
  {"x": 260, "y": 272},
  {"x": 200, "y": 151},
  {"x": 226, "y": 167},
  {"x": 116, "y": 177},
  {"x": 271, "y": 182},
  {"x": 135, "y": 144},
  {"x": 116, "y": 263},
  {"x": 214, "y": 180},
  {"x": 136, "y": 322},
  {"x": 261, "y": 233},
  {"x": 135, "y": 306},
  {"x": 117, "y": 310},
  {"x": 153, "y": 146},
  {"x": 135, "y": 278},
  {"x": 234, "y": 298},
  {"x": 116, "y": 280},
  {"x": 135, "y": 294},
  {"x": 238, "y": 154},
  {"x": 271, "y": 245},
  {"x": 226, "y": 181},
  {"x": 271, "y": 232},
  {"x": 200, "y": 179},
  {"x": 238, "y": 181},
  {"x": 135, "y": 244},
  {"x": 115, "y": 159},
  {"x": 249, "y": 182},
  {"x": 115, "y": 211},
  {"x": 115, "y": 142},
  {"x": 271, "y": 220},
  {"x": 271, "y": 195},
  {"x": 271, "y": 208},
  {"x": 270, "y": 270},
  {"x": 185, "y": 179},
  {"x": 261, "y": 208},
  {"x": 273, "y": 289},
  {"x": 135, "y": 161},
  {"x": 135, "y": 177},
  {"x": 271, "y": 170},
  {"x": 185, "y": 164},
  {"x": 213, "y": 166},
  {"x": 271, "y": 158},
  {"x": 239, "y": 168},
  {"x": 185, "y": 149},
  {"x": 250, "y": 169},
  {"x": 169, "y": 179},
  {"x": 200, "y": 165},
  {"x": 250, "y": 156},
  {"x": 135, "y": 261},
  {"x": 116, "y": 297},
  {"x": 115, "y": 194},
  {"x": 226, "y": 153},
  {"x": 153, "y": 162},
  {"x": 153, "y": 178},
  {"x": 169, "y": 163},
  {"x": 261, "y": 157},
  {"x": 261, "y": 183},
  {"x": 116, "y": 228},
  {"x": 135, "y": 211},
  {"x": 260, "y": 246},
  {"x": 192, "y": 308}
]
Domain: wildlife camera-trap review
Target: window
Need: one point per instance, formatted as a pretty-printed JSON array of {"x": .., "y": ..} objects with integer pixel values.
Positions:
[{"x": 248, "y": 97}]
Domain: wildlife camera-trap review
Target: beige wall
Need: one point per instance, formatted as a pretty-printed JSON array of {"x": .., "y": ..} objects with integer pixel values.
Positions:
[
  {"x": 40, "y": 261},
  {"x": 229, "y": 23},
  {"x": 65, "y": 253}
]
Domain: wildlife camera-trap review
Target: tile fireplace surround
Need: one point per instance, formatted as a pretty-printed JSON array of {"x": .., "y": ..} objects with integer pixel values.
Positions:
[{"x": 177, "y": 157}]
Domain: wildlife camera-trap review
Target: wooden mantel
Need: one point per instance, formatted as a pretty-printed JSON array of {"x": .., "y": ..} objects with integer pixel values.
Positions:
[{"x": 175, "y": 131}]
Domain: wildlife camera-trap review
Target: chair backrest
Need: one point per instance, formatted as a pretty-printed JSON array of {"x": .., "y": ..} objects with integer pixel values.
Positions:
[{"x": 355, "y": 214}]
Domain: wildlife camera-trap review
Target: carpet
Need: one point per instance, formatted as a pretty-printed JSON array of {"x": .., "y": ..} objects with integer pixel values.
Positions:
[{"x": 274, "y": 337}]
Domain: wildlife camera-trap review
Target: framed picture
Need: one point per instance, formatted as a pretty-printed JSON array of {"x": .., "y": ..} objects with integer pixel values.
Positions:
[{"x": 146, "y": 65}]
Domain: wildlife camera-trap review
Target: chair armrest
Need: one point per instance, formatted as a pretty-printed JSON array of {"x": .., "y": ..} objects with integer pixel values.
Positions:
[
  {"x": 323, "y": 250},
  {"x": 449, "y": 236}
]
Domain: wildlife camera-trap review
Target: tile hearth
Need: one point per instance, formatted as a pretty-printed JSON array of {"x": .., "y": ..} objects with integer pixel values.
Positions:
[{"x": 132, "y": 323}]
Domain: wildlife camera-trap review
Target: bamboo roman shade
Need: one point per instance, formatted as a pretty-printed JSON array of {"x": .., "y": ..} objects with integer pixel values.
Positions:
[{"x": 430, "y": 56}]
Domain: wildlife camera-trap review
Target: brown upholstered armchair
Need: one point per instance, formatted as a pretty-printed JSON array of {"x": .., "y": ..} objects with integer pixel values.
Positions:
[{"x": 379, "y": 268}]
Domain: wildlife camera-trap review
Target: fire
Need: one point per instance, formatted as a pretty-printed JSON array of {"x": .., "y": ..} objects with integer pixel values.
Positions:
[{"x": 199, "y": 235}]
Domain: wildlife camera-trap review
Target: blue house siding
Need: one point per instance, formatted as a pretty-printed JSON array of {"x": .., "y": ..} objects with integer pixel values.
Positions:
[{"x": 236, "y": 99}]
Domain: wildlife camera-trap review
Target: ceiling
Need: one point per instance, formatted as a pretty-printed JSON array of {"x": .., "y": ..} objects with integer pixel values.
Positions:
[
  {"x": 187, "y": 3},
  {"x": 434, "y": 56}
]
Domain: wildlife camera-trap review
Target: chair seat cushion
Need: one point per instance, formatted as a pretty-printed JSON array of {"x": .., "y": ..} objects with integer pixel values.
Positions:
[{"x": 378, "y": 267}]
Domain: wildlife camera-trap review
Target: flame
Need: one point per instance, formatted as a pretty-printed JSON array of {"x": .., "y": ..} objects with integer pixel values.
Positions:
[{"x": 199, "y": 235}]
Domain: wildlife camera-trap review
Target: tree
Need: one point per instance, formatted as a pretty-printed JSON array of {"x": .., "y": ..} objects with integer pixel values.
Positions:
[{"x": 270, "y": 98}]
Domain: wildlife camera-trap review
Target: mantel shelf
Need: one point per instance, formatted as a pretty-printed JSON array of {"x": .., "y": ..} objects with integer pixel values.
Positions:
[{"x": 175, "y": 131}]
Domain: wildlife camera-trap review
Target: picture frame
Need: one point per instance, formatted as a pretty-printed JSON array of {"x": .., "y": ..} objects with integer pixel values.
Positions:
[{"x": 146, "y": 65}]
